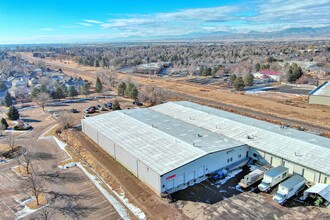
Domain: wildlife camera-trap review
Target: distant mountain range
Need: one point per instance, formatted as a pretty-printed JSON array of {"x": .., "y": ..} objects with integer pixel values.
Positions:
[{"x": 291, "y": 33}]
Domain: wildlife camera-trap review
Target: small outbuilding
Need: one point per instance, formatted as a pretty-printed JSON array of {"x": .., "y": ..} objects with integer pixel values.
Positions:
[{"x": 320, "y": 95}]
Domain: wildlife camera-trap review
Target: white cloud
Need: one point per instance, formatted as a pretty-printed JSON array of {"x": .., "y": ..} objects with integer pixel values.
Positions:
[
  {"x": 93, "y": 21},
  {"x": 85, "y": 24}
]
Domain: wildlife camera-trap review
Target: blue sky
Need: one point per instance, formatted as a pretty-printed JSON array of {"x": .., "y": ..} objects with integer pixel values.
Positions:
[{"x": 71, "y": 21}]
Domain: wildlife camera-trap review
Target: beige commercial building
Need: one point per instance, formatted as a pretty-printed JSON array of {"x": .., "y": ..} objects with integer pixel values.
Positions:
[{"x": 320, "y": 95}]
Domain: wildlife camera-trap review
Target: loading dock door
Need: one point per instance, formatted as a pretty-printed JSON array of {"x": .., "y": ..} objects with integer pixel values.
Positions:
[
  {"x": 309, "y": 175},
  {"x": 180, "y": 179},
  {"x": 276, "y": 161},
  {"x": 170, "y": 184},
  {"x": 200, "y": 171},
  {"x": 289, "y": 166},
  {"x": 191, "y": 176}
]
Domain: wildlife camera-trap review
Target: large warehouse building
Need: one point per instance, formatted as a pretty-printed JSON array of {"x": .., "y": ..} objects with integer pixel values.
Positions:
[{"x": 173, "y": 145}]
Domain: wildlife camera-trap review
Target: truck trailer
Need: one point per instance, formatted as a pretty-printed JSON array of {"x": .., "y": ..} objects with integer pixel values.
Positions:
[
  {"x": 289, "y": 188},
  {"x": 272, "y": 177},
  {"x": 253, "y": 177}
]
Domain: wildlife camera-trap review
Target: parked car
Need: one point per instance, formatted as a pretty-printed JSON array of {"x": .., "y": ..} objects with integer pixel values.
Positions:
[
  {"x": 99, "y": 107},
  {"x": 137, "y": 103},
  {"x": 74, "y": 110},
  {"x": 85, "y": 115},
  {"x": 272, "y": 177},
  {"x": 108, "y": 105},
  {"x": 90, "y": 110},
  {"x": 289, "y": 188}
]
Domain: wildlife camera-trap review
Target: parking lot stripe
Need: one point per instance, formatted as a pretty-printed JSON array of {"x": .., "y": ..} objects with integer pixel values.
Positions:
[
  {"x": 7, "y": 177},
  {"x": 91, "y": 187},
  {"x": 89, "y": 200},
  {"x": 107, "y": 215},
  {"x": 99, "y": 210},
  {"x": 99, "y": 203}
]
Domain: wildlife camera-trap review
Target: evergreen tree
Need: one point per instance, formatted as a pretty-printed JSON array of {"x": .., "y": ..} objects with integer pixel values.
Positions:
[
  {"x": 121, "y": 88},
  {"x": 248, "y": 80},
  {"x": 98, "y": 85},
  {"x": 2, "y": 86},
  {"x": 294, "y": 73},
  {"x": 4, "y": 123},
  {"x": 232, "y": 78},
  {"x": 72, "y": 91},
  {"x": 8, "y": 99},
  {"x": 13, "y": 113},
  {"x": 116, "y": 105},
  {"x": 257, "y": 66},
  {"x": 35, "y": 92},
  {"x": 85, "y": 89},
  {"x": 131, "y": 91},
  {"x": 239, "y": 83}
]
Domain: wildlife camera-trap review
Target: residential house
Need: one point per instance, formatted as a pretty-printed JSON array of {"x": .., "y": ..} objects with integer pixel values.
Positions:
[
  {"x": 268, "y": 75},
  {"x": 76, "y": 83}
]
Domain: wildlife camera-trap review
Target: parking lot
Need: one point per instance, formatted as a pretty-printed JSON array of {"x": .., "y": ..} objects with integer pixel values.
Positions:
[
  {"x": 13, "y": 192},
  {"x": 224, "y": 199},
  {"x": 83, "y": 104}
]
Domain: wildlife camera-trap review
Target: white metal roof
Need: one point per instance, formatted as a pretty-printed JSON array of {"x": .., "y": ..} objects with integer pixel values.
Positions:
[
  {"x": 319, "y": 188},
  {"x": 299, "y": 147},
  {"x": 322, "y": 90},
  {"x": 156, "y": 143}
]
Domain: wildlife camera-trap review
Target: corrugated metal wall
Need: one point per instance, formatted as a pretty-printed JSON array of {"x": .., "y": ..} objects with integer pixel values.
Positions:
[
  {"x": 189, "y": 173},
  {"x": 310, "y": 175},
  {"x": 138, "y": 168}
]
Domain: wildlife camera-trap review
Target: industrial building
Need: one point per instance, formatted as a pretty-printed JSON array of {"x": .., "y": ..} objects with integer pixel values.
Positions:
[
  {"x": 320, "y": 95},
  {"x": 176, "y": 144}
]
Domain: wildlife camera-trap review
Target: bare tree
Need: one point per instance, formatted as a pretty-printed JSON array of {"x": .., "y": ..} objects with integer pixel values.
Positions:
[
  {"x": 42, "y": 99},
  {"x": 11, "y": 141},
  {"x": 35, "y": 184},
  {"x": 26, "y": 162},
  {"x": 65, "y": 120},
  {"x": 152, "y": 95}
]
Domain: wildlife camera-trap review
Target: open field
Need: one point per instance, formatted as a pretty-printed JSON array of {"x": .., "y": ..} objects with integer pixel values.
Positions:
[{"x": 291, "y": 108}]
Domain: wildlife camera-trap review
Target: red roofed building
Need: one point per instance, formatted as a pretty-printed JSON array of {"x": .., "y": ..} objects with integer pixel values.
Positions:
[{"x": 271, "y": 75}]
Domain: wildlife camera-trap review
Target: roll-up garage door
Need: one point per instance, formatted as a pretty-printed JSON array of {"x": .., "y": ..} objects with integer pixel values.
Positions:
[
  {"x": 309, "y": 175},
  {"x": 276, "y": 161}
]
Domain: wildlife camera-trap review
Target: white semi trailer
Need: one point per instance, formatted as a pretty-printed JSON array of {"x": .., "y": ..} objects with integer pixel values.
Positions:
[
  {"x": 253, "y": 177},
  {"x": 289, "y": 188},
  {"x": 273, "y": 177}
]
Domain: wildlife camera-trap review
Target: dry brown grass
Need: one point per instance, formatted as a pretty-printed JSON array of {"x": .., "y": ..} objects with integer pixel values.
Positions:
[
  {"x": 295, "y": 109},
  {"x": 42, "y": 201}
]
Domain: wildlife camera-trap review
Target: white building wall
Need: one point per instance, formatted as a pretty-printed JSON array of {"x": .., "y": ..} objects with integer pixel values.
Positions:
[
  {"x": 149, "y": 176},
  {"x": 128, "y": 160},
  {"x": 189, "y": 173},
  {"x": 106, "y": 144}
]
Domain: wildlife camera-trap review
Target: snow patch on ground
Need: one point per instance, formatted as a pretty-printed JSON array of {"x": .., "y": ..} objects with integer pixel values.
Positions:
[
  {"x": 27, "y": 211},
  {"x": 61, "y": 144},
  {"x": 228, "y": 176},
  {"x": 136, "y": 211},
  {"x": 119, "y": 208},
  {"x": 27, "y": 108}
]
